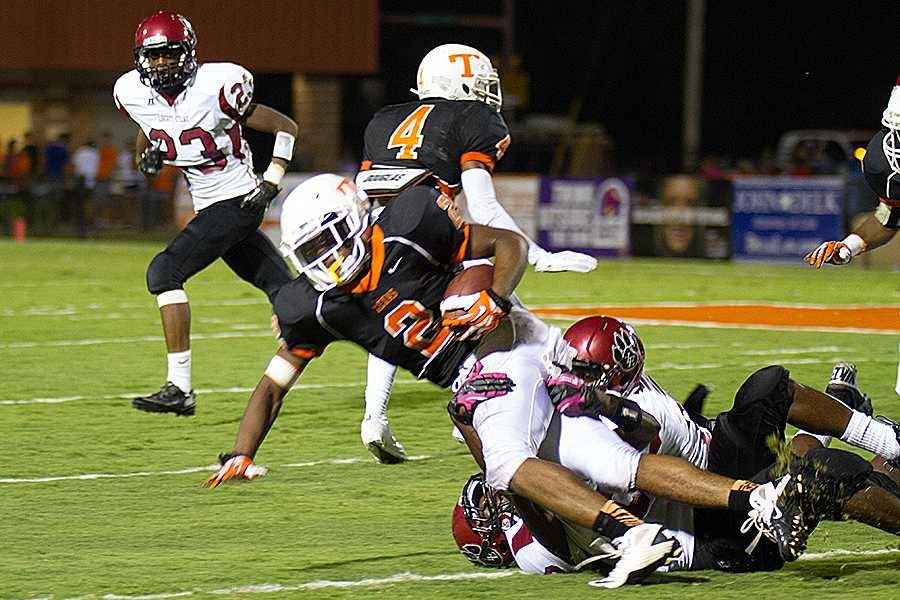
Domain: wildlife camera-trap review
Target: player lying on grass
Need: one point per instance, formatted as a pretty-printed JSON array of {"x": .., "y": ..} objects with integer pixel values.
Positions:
[
  {"x": 451, "y": 137},
  {"x": 881, "y": 166},
  {"x": 382, "y": 286},
  {"x": 608, "y": 363}
]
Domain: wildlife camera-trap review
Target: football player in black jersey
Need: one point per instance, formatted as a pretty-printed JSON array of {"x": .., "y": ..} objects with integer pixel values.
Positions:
[
  {"x": 881, "y": 167},
  {"x": 380, "y": 284},
  {"x": 451, "y": 138}
]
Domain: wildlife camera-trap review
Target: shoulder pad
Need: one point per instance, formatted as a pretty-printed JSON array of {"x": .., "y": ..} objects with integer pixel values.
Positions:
[
  {"x": 295, "y": 301},
  {"x": 404, "y": 213}
]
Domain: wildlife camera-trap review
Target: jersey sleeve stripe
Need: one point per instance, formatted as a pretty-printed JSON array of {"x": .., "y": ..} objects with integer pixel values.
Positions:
[
  {"x": 365, "y": 165},
  {"x": 227, "y": 108},
  {"x": 121, "y": 106},
  {"x": 370, "y": 281},
  {"x": 306, "y": 353},
  {"x": 477, "y": 157},
  {"x": 463, "y": 250}
]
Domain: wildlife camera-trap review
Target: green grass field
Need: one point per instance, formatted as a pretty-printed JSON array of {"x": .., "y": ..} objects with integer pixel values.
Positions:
[{"x": 79, "y": 331}]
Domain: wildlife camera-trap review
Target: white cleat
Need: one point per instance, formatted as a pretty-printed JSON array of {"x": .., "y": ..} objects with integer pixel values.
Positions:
[
  {"x": 643, "y": 549},
  {"x": 378, "y": 439}
]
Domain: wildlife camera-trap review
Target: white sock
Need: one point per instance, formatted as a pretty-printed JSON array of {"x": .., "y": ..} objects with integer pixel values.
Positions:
[
  {"x": 180, "y": 370},
  {"x": 825, "y": 440},
  {"x": 379, "y": 381},
  {"x": 872, "y": 435},
  {"x": 897, "y": 387}
]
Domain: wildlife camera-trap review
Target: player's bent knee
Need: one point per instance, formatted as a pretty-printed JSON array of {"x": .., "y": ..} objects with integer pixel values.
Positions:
[
  {"x": 768, "y": 386},
  {"x": 161, "y": 275}
]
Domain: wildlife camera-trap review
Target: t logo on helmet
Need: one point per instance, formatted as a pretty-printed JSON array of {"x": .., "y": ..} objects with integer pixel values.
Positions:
[{"x": 467, "y": 65}]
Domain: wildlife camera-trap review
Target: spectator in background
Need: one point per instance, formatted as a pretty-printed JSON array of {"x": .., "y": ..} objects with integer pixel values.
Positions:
[
  {"x": 106, "y": 166},
  {"x": 31, "y": 149},
  {"x": 56, "y": 157},
  {"x": 85, "y": 163},
  {"x": 56, "y": 161}
]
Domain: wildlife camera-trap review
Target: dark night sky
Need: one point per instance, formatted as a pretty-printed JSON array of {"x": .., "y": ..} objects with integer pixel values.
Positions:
[{"x": 769, "y": 66}]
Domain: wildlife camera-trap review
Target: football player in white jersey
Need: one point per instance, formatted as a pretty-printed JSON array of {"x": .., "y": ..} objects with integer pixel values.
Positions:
[
  {"x": 609, "y": 355},
  {"x": 881, "y": 166},
  {"x": 190, "y": 116}
]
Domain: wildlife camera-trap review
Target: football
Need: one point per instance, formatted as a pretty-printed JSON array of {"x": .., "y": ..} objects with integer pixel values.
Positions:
[{"x": 471, "y": 280}]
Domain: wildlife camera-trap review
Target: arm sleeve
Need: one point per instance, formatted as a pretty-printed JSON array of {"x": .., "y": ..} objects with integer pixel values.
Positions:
[{"x": 483, "y": 207}]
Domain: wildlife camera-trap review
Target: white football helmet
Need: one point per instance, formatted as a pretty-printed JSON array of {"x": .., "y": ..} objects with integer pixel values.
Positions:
[
  {"x": 458, "y": 72},
  {"x": 891, "y": 119},
  {"x": 323, "y": 222}
]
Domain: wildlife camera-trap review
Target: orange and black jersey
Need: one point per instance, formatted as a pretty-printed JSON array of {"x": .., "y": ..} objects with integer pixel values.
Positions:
[
  {"x": 435, "y": 134},
  {"x": 394, "y": 309}
]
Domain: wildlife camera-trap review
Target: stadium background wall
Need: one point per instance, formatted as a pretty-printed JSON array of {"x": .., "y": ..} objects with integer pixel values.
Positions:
[{"x": 327, "y": 37}]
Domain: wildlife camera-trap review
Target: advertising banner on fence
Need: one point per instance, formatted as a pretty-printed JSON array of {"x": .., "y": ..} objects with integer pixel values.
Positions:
[
  {"x": 783, "y": 218},
  {"x": 682, "y": 216},
  {"x": 586, "y": 214}
]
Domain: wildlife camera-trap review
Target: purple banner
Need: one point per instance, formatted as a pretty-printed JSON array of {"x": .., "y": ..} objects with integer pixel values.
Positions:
[{"x": 586, "y": 214}]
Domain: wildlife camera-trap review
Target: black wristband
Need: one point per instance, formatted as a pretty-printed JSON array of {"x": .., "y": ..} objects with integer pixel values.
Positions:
[{"x": 504, "y": 304}]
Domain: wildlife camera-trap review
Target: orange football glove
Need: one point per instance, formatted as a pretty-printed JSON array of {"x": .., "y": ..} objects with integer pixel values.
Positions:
[
  {"x": 234, "y": 467},
  {"x": 836, "y": 253},
  {"x": 473, "y": 315}
]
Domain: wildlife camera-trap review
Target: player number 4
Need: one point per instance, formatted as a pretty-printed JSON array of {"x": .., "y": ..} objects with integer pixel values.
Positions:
[{"x": 408, "y": 134}]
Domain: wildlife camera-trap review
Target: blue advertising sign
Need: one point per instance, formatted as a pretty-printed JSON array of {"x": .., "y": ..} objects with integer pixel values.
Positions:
[
  {"x": 585, "y": 214},
  {"x": 783, "y": 218}
]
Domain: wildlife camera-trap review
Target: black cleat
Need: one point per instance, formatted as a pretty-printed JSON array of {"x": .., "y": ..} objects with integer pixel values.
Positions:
[
  {"x": 842, "y": 385},
  {"x": 778, "y": 514},
  {"x": 169, "y": 399}
]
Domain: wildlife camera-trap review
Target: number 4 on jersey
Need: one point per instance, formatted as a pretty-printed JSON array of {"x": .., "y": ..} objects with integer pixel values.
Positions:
[{"x": 408, "y": 135}]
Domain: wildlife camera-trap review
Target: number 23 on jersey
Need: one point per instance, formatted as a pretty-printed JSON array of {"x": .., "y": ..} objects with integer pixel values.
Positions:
[{"x": 407, "y": 137}]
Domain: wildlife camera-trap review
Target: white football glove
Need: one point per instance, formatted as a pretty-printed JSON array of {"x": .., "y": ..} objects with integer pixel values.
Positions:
[
  {"x": 564, "y": 261},
  {"x": 378, "y": 439}
]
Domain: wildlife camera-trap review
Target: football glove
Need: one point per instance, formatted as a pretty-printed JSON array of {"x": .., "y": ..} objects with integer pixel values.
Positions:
[
  {"x": 257, "y": 201},
  {"x": 567, "y": 393},
  {"x": 234, "y": 467},
  {"x": 564, "y": 261},
  {"x": 477, "y": 388},
  {"x": 151, "y": 160},
  {"x": 836, "y": 253},
  {"x": 473, "y": 315}
]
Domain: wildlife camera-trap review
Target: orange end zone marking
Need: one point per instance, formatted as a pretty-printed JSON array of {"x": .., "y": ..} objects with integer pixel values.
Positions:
[{"x": 882, "y": 319}]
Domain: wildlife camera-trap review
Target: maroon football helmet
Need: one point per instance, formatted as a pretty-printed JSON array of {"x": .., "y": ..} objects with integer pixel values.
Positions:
[
  {"x": 479, "y": 519},
  {"x": 169, "y": 35},
  {"x": 609, "y": 353}
]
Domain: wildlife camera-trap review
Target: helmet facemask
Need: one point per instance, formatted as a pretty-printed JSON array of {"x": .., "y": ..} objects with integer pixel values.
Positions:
[
  {"x": 891, "y": 142},
  {"x": 167, "y": 75},
  {"x": 488, "y": 513},
  {"x": 333, "y": 251},
  {"x": 486, "y": 88}
]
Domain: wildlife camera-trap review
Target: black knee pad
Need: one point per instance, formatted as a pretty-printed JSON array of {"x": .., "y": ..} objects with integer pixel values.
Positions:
[
  {"x": 830, "y": 478},
  {"x": 161, "y": 274},
  {"x": 762, "y": 401}
]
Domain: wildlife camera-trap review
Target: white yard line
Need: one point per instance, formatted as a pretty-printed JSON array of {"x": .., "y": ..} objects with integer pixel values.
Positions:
[
  {"x": 228, "y": 390},
  {"x": 274, "y": 588},
  {"x": 187, "y": 470},
  {"x": 143, "y": 338},
  {"x": 399, "y": 578}
]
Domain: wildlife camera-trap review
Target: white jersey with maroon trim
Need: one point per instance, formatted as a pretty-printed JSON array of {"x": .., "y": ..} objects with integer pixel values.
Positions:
[
  {"x": 678, "y": 434},
  {"x": 199, "y": 130}
]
